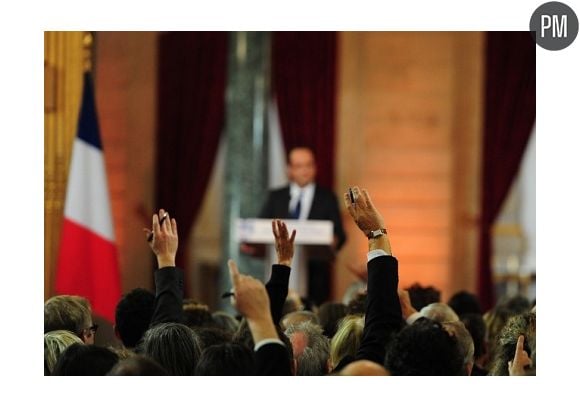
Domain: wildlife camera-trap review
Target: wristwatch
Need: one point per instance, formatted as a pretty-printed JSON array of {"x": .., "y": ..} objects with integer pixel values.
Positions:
[{"x": 376, "y": 233}]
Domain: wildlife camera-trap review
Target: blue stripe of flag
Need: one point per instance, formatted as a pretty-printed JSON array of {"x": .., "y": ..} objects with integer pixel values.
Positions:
[{"x": 88, "y": 128}]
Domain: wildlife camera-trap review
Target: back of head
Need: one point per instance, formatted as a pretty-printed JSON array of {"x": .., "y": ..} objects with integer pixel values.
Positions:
[
  {"x": 422, "y": 296},
  {"x": 517, "y": 305},
  {"x": 357, "y": 305},
  {"x": 174, "y": 346},
  {"x": 138, "y": 365},
  {"x": 474, "y": 323},
  {"x": 464, "y": 302},
  {"x": 330, "y": 314},
  {"x": 133, "y": 315},
  {"x": 347, "y": 339},
  {"x": 299, "y": 317},
  {"x": 439, "y": 312},
  {"x": 310, "y": 347},
  {"x": 226, "y": 360},
  {"x": 424, "y": 348},
  {"x": 55, "y": 343},
  {"x": 66, "y": 312},
  {"x": 457, "y": 329},
  {"x": 197, "y": 315},
  {"x": 225, "y": 322},
  {"x": 209, "y": 336},
  {"x": 363, "y": 368},
  {"x": 522, "y": 324},
  {"x": 85, "y": 360}
]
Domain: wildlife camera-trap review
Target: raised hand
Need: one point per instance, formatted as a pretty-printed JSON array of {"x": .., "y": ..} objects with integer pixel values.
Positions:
[
  {"x": 521, "y": 361},
  {"x": 405, "y": 300},
  {"x": 363, "y": 211},
  {"x": 284, "y": 245},
  {"x": 165, "y": 239},
  {"x": 250, "y": 296}
]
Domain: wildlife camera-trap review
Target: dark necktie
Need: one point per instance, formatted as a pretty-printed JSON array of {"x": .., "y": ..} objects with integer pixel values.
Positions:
[{"x": 296, "y": 212}]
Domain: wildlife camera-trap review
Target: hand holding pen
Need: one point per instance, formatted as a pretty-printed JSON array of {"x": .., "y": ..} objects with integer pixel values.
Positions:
[{"x": 163, "y": 238}]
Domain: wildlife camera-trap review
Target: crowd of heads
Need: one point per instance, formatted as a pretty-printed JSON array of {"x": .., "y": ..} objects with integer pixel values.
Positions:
[{"x": 453, "y": 338}]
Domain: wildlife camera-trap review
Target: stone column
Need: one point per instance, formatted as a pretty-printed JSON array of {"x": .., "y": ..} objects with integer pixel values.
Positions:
[{"x": 246, "y": 163}]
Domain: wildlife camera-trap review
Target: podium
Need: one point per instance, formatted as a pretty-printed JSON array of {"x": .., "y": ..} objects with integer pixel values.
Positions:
[{"x": 314, "y": 239}]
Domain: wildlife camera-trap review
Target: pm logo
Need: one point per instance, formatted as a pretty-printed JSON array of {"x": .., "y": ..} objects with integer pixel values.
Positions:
[{"x": 554, "y": 26}]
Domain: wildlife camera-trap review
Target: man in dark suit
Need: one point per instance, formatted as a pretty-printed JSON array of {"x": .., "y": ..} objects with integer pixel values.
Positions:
[{"x": 304, "y": 199}]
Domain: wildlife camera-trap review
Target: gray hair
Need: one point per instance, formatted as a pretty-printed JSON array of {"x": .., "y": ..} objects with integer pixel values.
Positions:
[
  {"x": 174, "y": 346},
  {"x": 464, "y": 340},
  {"x": 439, "y": 312},
  {"x": 313, "y": 360}
]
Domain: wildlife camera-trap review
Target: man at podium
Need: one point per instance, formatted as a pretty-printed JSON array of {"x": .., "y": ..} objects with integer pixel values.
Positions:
[{"x": 303, "y": 199}]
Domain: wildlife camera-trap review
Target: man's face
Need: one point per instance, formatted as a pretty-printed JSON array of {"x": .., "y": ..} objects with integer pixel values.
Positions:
[{"x": 301, "y": 168}]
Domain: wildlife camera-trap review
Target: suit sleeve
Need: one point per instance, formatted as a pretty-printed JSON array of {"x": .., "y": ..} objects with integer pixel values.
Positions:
[
  {"x": 277, "y": 288},
  {"x": 272, "y": 360},
  {"x": 382, "y": 309},
  {"x": 168, "y": 296}
]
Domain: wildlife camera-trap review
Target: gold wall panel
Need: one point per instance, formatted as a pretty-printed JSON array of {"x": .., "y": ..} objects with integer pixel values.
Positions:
[{"x": 63, "y": 79}]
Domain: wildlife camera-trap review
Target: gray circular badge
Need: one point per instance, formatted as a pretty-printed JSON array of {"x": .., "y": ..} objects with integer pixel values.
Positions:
[{"x": 554, "y": 26}]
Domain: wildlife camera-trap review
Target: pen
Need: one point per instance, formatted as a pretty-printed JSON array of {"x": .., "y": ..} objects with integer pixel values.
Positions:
[
  {"x": 227, "y": 294},
  {"x": 150, "y": 236},
  {"x": 351, "y": 195}
]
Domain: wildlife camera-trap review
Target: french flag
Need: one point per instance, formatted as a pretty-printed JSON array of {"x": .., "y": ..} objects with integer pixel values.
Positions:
[{"x": 87, "y": 261}]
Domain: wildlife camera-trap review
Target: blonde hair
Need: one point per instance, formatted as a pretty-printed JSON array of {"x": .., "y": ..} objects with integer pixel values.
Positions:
[
  {"x": 66, "y": 312},
  {"x": 347, "y": 338},
  {"x": 55, "y": 342}
]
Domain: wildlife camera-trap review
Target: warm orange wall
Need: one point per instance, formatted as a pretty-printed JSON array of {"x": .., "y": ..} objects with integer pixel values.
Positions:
[
  {"x": 125, "y": 82},
  {"x": 408, "y": 128}
]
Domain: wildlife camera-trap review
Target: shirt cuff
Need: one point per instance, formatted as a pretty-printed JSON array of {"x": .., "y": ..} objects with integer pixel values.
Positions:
[
  {"x": 375, "y": 254},
  {"x": 267, "y": 341},
  {"x": 414, "y": 317}
]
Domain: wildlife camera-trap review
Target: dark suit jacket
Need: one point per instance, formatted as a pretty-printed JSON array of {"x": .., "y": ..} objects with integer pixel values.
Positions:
[
  {"x": 324, "y": 207},
  {"x": 382, "y": 310},
  {"x": 168, "y": 296}
]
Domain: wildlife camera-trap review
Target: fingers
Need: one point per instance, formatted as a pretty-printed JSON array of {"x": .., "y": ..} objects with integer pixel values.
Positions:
[
  {"x": 174, "y": 226},
  {"x": 283, "y": 229},
  {"x": 234, "y": 272},
  {"x": 348, "y": 205},
  {"x": 275, "y": 229},
  {"x": 367, "y": 199},
  {"x": 155, "y": 226},
  {"x": 360, "y": 198},
  {"x": 520, "y": 344},
  {"x": 293, "y": 236}
]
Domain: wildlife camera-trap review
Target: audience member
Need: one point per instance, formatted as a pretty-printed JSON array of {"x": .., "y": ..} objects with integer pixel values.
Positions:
[
  {"x": 330, "y": 315},
  {"x": 55, "y": 342},
  {"x": 439, "y": 312},
  {"x": 85, "y": 360},
  {"x": 425, "y": 348},
  {"x": 299, "y": 317},
  {"x": 464, "y": 302},
  {"x": 71, "y": 313},
  {"x": 225, "y": 322},
  {"x": 476, "y": 326},
  {"x": 226, "y": 359},
  {"x": 174, "y": 346},
  {"x": 347, "y": 339},
  {"x": 310, "y": 347},
  {"x": 507, "y": 343},
  {"x": 422, "y": 296},
  {"x": 133, "y": 316},
  {"x": 457, "y": 329},
  {"x": 138, "y": 365}
]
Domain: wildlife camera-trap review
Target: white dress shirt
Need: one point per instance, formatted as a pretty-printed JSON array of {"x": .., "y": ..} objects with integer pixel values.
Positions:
[{"x": 307, "y": 193}]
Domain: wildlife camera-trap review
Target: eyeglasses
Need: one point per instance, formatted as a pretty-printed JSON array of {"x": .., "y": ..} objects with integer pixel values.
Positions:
[{"x": 93, "y": 328}]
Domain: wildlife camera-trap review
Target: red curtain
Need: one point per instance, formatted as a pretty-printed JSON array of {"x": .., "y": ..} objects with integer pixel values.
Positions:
[
  {"x": 304, "y": 85},
  {"x": 510, "y": 113},
  {"x": 191, "y": 108}
]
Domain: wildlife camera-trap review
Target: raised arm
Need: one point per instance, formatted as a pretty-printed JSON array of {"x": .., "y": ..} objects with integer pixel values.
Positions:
[
  {"x": 382, "y": 308},
  {"x": 277, "y": 286},
  {"x": 168, "y": 278},
  {"x": 251, "y": 300}
]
